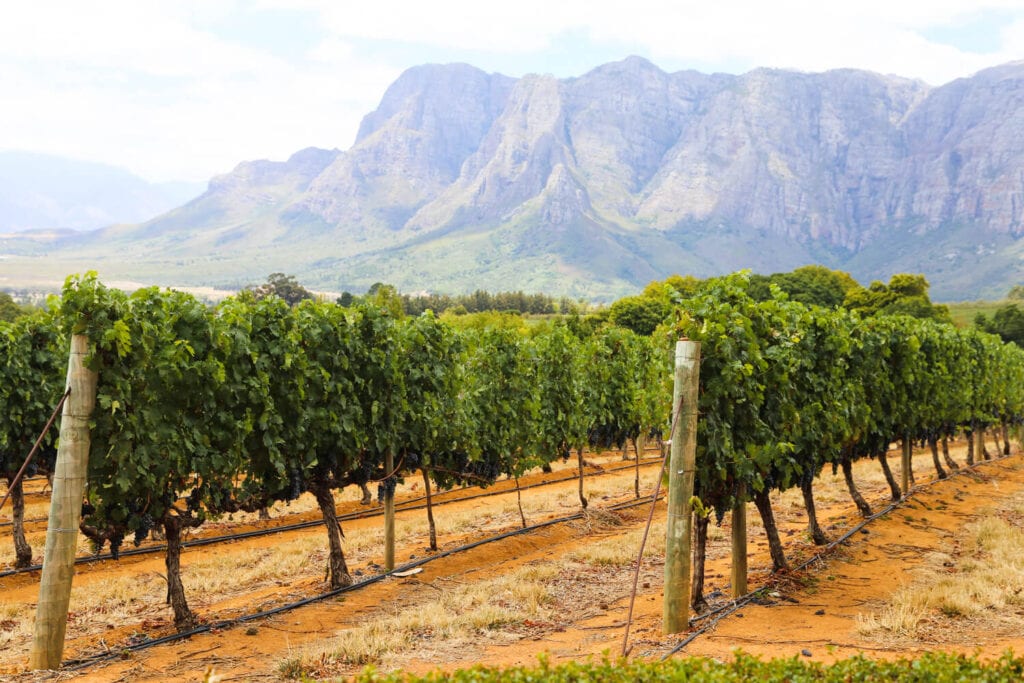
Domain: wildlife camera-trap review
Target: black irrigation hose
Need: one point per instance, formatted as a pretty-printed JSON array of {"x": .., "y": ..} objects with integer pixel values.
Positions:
[
  {"x": 733, "y": 606},
  {"x": 405, "y": 506},
  {"x": 27, "y": 521},
  {"x": 85, "y": 662}
]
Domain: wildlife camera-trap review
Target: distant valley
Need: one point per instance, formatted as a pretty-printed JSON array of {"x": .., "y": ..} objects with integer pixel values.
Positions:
[{"x": 592, "y": 186}]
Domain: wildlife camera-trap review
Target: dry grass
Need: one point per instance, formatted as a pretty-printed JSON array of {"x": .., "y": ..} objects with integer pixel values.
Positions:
[
  {"x": 210, "y": 577},
  {"x": 117, "y": 600},
  {"x": 15, "y": 625},
  {"x": 982, "y": 581},
  {"x": 621, "y": 551},
  {"x": 456, "y": 618}
]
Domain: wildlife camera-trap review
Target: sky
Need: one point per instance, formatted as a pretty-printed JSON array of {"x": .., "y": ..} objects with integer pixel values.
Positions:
[{"x": 187, "y": 89}]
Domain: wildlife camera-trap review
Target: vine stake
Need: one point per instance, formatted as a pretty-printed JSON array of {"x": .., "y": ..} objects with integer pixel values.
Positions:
[
  {"x": 65, "y": 511},
  {"x": 682, "y": 459}
]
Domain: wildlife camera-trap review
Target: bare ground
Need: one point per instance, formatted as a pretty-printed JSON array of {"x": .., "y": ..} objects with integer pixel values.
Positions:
[{"x": 562, "y": 591}]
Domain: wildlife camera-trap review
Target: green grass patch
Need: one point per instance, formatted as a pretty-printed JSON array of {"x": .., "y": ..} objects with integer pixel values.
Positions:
[
  {"x": 930, "y": 668},
  {"x": 963, "y": 313}
]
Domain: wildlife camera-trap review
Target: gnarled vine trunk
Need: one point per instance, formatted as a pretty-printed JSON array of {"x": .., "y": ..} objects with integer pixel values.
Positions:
[
  {"x": 637, "y": 448},
  {"x": 367, "y": 498},
  {"x": 22, "y": 550},
  {"x": 337, "y": 570},
  {"x": 909, "y": 445},
  {"x": 806, "y": 487},
  {"x": 764, "y": 507},
  {"x": 894, "y": 489},
  {"x": 184, "y": 618},
  {"x": 430, "y": 508},
  {"x": 519, "y": 501},
  {"x": 700, "y": 547},
  {"x": 1005, "y": 428},
  {"x": 969, "y": 433},
  {"x": 933, "y": 443},
  {"x": 858, "y": 500},
  {"x": 950, "y": 463},
  {"x": 579, "y": 457}
]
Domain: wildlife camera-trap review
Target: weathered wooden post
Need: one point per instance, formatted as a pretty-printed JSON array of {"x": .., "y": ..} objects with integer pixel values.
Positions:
[
  {"x": 739, "y": 543},
  {"x": 682, "y": 463},
  {"x": 908, "y": 453},
  {"x": 65, "y": 511},
  {"x": 389, "y": 512}
]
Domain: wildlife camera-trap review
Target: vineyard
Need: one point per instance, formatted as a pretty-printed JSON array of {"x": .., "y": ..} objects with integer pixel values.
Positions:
[{"x": 241, "y": 409}]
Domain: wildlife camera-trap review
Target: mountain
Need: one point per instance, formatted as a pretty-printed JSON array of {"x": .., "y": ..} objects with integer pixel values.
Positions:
[
  {"x": 44, "y": 192},
  {"x": 593, "y": 186}
]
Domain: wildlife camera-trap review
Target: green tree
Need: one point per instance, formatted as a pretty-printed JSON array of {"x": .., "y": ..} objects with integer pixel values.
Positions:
[
  {"x": 1007, "y": 322},
  {"x": 387, "y": 297},
  {"x": 284, "y": 286},
  {"x": 9, "y": 309},
  {"x": 641, "y": 314},
  {"x": 811, "y": 285},
  {"x": 906, "y": 294}
]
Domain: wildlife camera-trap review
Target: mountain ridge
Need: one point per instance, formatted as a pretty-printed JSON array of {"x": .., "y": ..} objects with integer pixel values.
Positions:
[{"x": 593, "y": 185}]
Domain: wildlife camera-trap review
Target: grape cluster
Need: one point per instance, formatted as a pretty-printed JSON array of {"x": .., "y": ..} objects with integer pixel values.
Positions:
[
  {"x": 607, "y": 436},
  {"x": 145, "y": 524},
  {"x": 488, "y": 469},
  {"x": 115, "y": 540},
  {"x": 296, "y": 484},
  {"x": 413, "y": 461},
  {"x": 386, "y": 488}
]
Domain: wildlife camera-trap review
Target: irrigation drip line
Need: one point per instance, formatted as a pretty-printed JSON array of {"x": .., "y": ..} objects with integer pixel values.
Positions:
[
  {"x": 733, "y": 606},
  {"x": 27, "y": 521},
  {"x": 405, "y": 506},
  {"x": 85, "y": 662}
]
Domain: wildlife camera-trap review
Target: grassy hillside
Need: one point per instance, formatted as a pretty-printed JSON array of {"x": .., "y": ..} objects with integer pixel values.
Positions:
[{"x": 964, "y": 312}]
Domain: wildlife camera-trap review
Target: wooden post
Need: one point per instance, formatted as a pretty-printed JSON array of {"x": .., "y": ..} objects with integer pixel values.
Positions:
[
  {"x": 682, "y": 463},
  {"x": 389, "y": 513},
  {"x": 65, "y": 511},
  {"x": 908, "y": 451},
  {"x": 739, "y": 543}
]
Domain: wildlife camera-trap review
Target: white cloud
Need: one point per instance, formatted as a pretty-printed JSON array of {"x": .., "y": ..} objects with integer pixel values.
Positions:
[
  {"x": 880, "y": 35},
  {"x": 140, "y": 87}
]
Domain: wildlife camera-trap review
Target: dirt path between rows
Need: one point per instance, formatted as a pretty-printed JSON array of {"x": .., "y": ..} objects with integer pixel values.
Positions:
[{"x": 815, "y": 614}]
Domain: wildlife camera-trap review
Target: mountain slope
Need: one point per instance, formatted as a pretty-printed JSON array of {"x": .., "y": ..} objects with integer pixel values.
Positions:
[{"x": 594, "y": 185}]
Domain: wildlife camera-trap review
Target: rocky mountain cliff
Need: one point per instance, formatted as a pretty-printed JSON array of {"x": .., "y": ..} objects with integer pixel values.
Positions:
[{"x": 594, "y": 185}]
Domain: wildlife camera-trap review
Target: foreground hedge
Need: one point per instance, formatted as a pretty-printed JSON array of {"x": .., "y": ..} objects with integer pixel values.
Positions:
[{"x": 930, "y": 668}]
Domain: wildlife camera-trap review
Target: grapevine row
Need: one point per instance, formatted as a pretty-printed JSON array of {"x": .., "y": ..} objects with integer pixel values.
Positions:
[{"x": 204, "y": 411}]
